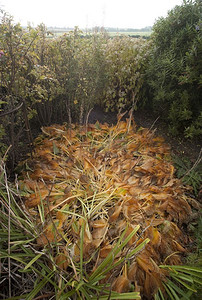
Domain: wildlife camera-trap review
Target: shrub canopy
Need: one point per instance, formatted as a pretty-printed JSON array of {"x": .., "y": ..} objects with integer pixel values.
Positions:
[{"x": 174, "y": 71}]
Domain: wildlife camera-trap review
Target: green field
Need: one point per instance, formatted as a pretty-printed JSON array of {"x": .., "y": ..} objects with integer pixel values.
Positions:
[
  {"x": 59, "y": 32},
  {"x": 129, "y": 33}
]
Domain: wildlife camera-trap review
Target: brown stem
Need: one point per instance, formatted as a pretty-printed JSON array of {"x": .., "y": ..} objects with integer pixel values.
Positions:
[
  {"x": 69, "y": 115},
  {"x": 11, "y": 111},
  {"x": 27, "y": 125},
  {"x": 87, "y": 117}
]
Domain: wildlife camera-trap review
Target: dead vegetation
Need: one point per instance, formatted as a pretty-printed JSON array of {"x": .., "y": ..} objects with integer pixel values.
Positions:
[{"x": 101, "y": 181}]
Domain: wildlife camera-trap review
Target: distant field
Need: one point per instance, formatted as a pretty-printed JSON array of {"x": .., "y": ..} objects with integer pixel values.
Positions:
[
  {"x": 111, "y": 34},
  {"x": 129, "y": 33}
]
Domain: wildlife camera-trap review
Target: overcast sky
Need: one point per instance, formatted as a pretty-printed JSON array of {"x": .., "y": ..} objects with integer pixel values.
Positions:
[{"x": 88, "y": 13}]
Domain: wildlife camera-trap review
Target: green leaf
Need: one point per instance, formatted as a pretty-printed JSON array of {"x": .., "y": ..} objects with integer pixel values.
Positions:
[
  {"x": 56, "y": 150},
  {"x": 182, "y": 268},
  {"x": 183, "y": 283},
  {"x": 172, "y": 285},
  {"x": 32, "y": 261},
  {"x": 81, "y": 251},
  {"x": 39, "y": 286},
  {"x": 108, "y": 261}
]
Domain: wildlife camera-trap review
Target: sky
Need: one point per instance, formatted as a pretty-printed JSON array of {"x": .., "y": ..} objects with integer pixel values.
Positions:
[{"x": 88, "y": 13}]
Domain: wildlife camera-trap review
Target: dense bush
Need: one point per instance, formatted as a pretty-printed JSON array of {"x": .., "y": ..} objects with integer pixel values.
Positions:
[
  {"x": 46, "y": 80},
  {"x": 81, "y": 72},
  {"x": 126, "y": 58},
  {"x": 174, "y": 71},
  {"x": 14, "y": 67}
]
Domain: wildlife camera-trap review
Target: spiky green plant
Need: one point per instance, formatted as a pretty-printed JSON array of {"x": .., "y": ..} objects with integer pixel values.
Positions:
[{"x": 182, "y": 283}]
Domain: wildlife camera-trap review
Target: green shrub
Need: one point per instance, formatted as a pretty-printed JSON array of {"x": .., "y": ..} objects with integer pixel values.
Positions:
[
  {"x": 81, "y": 72},
  {"x": 174, "y": 71},
  {"x": 125, "y": 59}
]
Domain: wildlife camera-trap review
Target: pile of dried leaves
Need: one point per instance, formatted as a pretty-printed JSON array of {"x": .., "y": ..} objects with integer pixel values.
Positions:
[{"x": 105, "y": 179}]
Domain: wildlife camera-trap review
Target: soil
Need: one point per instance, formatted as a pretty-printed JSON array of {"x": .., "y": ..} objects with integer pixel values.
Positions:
[{"x": 179, "y": 145}]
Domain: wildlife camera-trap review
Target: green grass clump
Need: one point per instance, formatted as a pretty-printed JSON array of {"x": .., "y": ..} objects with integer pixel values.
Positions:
[{"x": 188, "y": 173}]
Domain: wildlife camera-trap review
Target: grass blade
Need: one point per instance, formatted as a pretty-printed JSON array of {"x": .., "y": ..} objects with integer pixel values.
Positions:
[{"x": 33, "y": 261}]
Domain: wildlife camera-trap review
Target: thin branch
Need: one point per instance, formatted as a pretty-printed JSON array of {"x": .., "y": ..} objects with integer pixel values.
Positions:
[
  {"x": 87, "y": 117},
  {"x": 4, "y": 157},
  {"x": 11, "y": 111},
  {"x": 9, "y": 231},
  {"x": 194, "y": 165},
  {"x": 154, "y": 123}
]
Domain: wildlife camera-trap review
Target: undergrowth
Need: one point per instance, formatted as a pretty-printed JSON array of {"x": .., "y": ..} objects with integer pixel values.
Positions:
[{"x": 190, "y": 174}]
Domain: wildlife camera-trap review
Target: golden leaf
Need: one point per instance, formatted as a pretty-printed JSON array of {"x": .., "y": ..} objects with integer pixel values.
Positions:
[
  {"x": 154, "y": 236},
  {"x": 62, "y": 260},
  {"x": 116, "y": 213},
  {"x": 132, "y": 271},
  {"x": 178, "y": 247},
  {"x": 61, "y": 217},
  {"x": 104, "y": 251},
  {"x": 121, "y": 284},
  {"x": 100, "y": 223},
  {"x": 145, "y": 263},
  {"x": 100, "y": 229},
  {"x": 47, "y": 236},
  {"x": 151, "y": 284},
  {"x": 161, "y": 196},
  {"x": 35, "y": 199}
]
